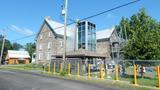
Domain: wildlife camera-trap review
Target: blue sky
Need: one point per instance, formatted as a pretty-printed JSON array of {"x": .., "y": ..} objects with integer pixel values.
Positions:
[{"x": 24, "y": 17}]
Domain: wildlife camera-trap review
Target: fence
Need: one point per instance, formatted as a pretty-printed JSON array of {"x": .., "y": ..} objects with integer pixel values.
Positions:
[{"x": 138, "y": 72}]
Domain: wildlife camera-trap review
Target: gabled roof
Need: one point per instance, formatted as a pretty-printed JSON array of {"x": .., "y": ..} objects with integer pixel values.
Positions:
[
  {"x": 58, "y": 27},
  {"x": 17, "y": 54},
  {"x": 103, "y": 34}
]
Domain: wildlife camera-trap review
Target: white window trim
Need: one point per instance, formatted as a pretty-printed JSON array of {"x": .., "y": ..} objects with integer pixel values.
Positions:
[
  {"x": 41, "y": 36},
  {"x": 49, "y": 45},
  {"x": 40, "y": 47},
  {"x": 49, "y": 34},
  {"x": 39, "y": 56},
  {"x": 61, "y": 43}
]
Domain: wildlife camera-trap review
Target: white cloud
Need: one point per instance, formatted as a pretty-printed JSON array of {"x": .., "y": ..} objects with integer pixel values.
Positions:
[{"x": 24, "y": 31}]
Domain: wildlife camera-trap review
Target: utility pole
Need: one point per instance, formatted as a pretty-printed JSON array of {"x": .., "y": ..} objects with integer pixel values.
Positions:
[
  {"x": 65, "y": 29},
  {"x": 2, "y": 48},
  {"x": 75, "y": 37}
]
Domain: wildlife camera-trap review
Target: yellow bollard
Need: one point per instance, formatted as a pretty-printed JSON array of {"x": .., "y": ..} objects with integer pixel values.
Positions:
[
  {"x": 49, "y": 68},
  {"x": 44, "y": 68},
  {"x": 117, "y": 72},
  {"x": 101, "y": 74},
  {"x": 69, "y": 67},
  {"x": 78, "y": 70},
  {"x": 54, "y": 68},
  {"x": 135, "y": 75},
  {"x": 89, "y": 77},
  {"x": 158, "y": 76},
  {"x": 60, "y": 67}
]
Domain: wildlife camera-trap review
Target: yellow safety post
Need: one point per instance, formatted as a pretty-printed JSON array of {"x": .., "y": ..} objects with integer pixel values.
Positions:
[
  {"x": 54, "y": 68},
  {"x": 69, "y": 67},
  {"x": 117, "y": 72},
  {"x": 89, "y": 77},
  {"x": 44, "y": 68},
  {"x": 49, "y": 68},
  {"x": 78, "y": 70},
  {"x": 135, "y": 75},
  {"x": 101, "y": 72},
  {"x": 60, "y": 67},
  {"x": 158, "y": 77}
]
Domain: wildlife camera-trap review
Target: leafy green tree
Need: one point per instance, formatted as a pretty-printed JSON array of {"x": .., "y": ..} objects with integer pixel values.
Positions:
[
  {"x": 16, "y": 46},
  {"x": 143, "y": 34},
  {"x": 30, "y": 47}
]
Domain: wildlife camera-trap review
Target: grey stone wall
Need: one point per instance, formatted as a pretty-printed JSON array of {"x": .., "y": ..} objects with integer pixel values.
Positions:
[
  {"x": 55, "y": 44},
  {"x": 103, "y": 47}
]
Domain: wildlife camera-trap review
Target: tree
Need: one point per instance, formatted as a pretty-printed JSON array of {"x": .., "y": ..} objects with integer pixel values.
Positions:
[
  {"x": 30, "y": 47},
  {"x": 143, "y": 34},
  {"x": 16, "y": 46}
]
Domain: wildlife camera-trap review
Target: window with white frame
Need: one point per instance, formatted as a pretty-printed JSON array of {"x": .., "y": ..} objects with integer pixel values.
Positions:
[
  {"x": 40, "y": 56},
  {"x": 40, "y": 47},
  {"x": 48, "y": 56},
  {"x": 49, "y": 45},
  {"x": 49, "y": 34},
  {"x": 41, "y": 36},
  {"x": 61, "y": 43}
]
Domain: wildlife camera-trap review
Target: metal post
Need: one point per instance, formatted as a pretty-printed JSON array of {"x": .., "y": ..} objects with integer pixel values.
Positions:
[
  {"x": 54, "y": 68},
  {"x": 116, "y": 71},
  {"x": 89, "y": 77},
  {"x": 135, "y": 75},
  {"x": 78, "y": 70},
  {"x": 2, "y": 49},
  {"x": 49, "y": 68},
  {"x": 101, "y": 77},
  {"x": 60, "y": 68},
  {"x": 158, "y": 76},
  {"x": 75, "y": 37},
  {"x": 65, "y": 29},
  {"x": 69, "y": 68}
]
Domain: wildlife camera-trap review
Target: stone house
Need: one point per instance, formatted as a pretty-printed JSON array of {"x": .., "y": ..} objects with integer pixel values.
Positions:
[{"x": 49, "y": 42}]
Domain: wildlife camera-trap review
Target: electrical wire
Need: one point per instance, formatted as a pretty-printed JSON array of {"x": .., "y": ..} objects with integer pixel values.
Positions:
[{"x": 92, "y": 16}]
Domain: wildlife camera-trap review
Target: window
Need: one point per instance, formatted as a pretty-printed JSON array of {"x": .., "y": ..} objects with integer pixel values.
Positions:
[
  {"x": 40, "y": 47},
  {"x": 41, "y": 36},
  {"x": 49, "y": 34},
  {"x": 48, "y": 56},
  {"x": 61, "y": 43},
  {"x": 49, "y": 45},
  {"x": 39, "y": 56}
]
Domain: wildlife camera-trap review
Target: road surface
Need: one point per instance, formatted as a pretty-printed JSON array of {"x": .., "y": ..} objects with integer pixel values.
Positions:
[{"x": 16, "y": 80}]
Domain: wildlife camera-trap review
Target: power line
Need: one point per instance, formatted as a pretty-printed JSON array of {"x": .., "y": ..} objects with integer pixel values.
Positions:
[{"x": 92, "y": 16}]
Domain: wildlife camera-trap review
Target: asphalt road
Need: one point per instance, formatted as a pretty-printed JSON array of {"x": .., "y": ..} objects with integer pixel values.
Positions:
[{"x": 15, "y": 80}]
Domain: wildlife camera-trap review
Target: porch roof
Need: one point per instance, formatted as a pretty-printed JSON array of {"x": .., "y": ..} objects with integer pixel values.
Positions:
[{"x": 81, "y": 53}]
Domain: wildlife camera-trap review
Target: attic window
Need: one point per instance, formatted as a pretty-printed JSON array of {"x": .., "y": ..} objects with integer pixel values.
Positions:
[
  {"x": 41, "y": 36},
  {"x": 49, "y": 34}
]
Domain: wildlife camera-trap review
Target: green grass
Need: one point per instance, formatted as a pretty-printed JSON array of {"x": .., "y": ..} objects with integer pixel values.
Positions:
[
  {"x": 22, "y": 67},
  {"x": 142, "y": 82}
]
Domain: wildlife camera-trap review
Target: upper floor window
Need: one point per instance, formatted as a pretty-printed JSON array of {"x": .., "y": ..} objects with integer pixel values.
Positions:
[
  {"x": 39, "y": 56},
  {"x": 49, "y": 34},
  {"x": 61, "y": 43},
  {"x": 49, "y": 45},
  {"x": 40, "y": 47},
  {"x": 41, "y": 36}
]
